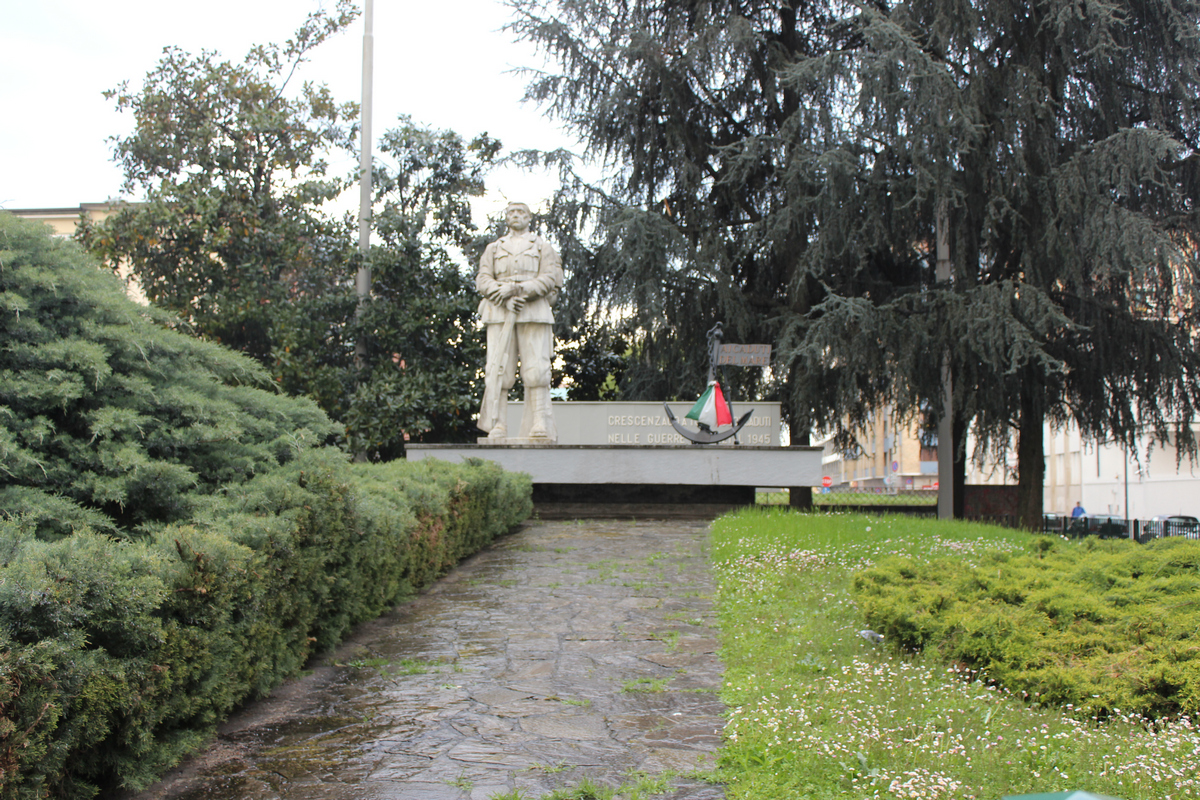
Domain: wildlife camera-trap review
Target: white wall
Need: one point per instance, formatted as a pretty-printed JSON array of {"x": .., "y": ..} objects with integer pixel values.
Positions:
[
  {"x": 1101, "y": 476},
  {"x": 1152, "y": 481}
]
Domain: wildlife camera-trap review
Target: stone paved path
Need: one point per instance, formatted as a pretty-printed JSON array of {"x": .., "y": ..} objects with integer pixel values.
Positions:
[{"x": 568, "y": 650}]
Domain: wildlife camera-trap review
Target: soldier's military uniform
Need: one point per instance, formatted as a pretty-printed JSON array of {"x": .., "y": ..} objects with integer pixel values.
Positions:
[{"x": 531, "y": 262}]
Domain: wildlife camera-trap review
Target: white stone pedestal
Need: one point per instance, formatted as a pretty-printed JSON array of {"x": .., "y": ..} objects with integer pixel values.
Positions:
[{"x": 698, "y": 480}]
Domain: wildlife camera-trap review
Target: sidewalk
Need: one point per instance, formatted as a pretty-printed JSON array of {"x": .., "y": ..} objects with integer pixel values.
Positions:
[{"x": 569, "y": 650}]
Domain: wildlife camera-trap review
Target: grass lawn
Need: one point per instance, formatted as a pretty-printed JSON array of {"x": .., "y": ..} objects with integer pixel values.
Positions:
[{"x": 818, "y": 710}]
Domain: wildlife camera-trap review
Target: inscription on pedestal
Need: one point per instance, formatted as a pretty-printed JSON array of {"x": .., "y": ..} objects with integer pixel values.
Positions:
[{"x": 643, "y": 424}]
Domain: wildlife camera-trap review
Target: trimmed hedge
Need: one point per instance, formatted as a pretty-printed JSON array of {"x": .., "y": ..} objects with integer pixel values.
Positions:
[
  {"x": 117, "y": 658},
  {"x": 1096, "y": 625},
  {"x": 174, "y": 537}
]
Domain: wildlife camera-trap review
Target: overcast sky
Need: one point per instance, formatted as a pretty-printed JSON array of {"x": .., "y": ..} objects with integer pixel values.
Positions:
[{"x": 444, "y": 63}]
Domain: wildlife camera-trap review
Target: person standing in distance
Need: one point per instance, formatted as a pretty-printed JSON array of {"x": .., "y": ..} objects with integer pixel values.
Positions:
[{"x": 520, "y": 275}]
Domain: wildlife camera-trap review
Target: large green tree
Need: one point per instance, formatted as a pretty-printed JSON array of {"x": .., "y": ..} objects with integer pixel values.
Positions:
[
  {"x": 698, "y": 223},
  {"x": 231, "y": 160},
  {"x": 424, "y": 352},
  {"x": 781, "y": 166},
  {"x": 1059, "y": 140},
  {"x": 237, "y": 236}
]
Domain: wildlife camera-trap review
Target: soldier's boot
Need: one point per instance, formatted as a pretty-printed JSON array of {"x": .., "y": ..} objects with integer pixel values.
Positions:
[
  {"x": 500, "y": 429},
  {"x": 539, "y": 400}
]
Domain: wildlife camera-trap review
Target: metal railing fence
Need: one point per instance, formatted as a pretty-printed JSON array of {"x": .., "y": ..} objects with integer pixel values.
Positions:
[{"x": 1112, "y": 527}]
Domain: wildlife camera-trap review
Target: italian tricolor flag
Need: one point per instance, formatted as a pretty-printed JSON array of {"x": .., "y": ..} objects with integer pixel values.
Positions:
[{"x": 711, "y": 409}]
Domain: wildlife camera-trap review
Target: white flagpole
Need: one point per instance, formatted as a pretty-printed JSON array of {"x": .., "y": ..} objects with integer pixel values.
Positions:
[{"x": 362, "y": 282}]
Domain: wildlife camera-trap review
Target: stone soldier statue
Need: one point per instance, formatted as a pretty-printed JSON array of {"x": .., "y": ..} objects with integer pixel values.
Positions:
[{"x": 519, "y": 277}]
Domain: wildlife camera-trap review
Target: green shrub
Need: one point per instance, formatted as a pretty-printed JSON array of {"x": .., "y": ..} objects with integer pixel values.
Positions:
[
  {"x": 111, "y": 420},
  {"x": 119, "y": 657},
  {"x": 1099, "y": 625}
]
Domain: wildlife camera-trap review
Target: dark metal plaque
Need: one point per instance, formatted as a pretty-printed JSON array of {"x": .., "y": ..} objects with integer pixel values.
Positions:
[{"x": 745, "y": 355}]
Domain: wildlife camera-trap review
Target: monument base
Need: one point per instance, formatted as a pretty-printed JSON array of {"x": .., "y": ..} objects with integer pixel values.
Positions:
[
  {"x": 487, "y": 441},
  {"x": 655, "y": 501},
  {"x": 668, "y": 481}
]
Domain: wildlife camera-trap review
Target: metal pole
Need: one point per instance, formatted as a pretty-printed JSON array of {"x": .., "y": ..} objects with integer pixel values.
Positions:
[
  {"x": 944, "y": 272},
  {"x": 1128, "y": 516},
  {"x": 362, "y": 282}
]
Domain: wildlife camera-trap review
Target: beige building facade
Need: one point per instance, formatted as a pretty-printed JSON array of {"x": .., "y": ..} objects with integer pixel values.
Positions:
[
  {"x": 64, "y": 221},
  {"x": 890, "y": 457}
]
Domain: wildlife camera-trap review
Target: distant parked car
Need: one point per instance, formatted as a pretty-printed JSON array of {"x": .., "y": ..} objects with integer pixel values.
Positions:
[
  {"x": 1176, "y": 525},
  {"x": 1054, "y": 523},
  {"x": 1182, "y": 519},
  {"x": 1108, "y": 527},
  {"x": 1102, "y": 525}
]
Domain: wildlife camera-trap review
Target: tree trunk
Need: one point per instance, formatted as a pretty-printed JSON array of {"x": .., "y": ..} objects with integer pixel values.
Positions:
[
  {"x": 1031, "y": 460},
  {"x": 801, "y": 497},
  {"x": 959, "y": 476}
]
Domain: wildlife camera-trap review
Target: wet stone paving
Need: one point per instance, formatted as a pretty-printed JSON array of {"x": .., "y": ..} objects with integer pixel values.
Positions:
[{"x": 567, "y": 651}]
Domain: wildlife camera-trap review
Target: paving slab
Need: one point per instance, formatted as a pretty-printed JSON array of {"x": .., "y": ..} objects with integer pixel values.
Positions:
[{"x": 568, "y": 650}]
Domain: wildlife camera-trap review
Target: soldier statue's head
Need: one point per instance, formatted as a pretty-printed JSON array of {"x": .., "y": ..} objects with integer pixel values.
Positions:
[{"x": 518, "y": 216}]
